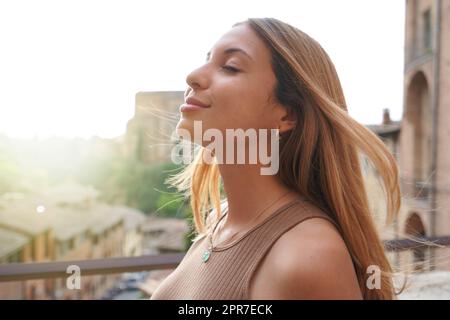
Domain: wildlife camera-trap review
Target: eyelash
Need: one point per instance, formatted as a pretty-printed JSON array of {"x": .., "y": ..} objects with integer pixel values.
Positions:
[{"x": 230, "y": 69}]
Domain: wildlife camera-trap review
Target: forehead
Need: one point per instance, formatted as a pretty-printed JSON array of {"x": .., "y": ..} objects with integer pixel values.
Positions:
[{"x": 243, "y": 37}]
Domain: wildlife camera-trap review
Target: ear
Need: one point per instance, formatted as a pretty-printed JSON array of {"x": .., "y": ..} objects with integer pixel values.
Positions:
[{"x": 287, "y": 120}]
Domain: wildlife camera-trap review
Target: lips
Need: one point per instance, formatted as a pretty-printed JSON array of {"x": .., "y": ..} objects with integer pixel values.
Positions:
[{"x": 195, "y": 102}]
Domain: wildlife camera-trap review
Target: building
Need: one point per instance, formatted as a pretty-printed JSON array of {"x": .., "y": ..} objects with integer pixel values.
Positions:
[
  {"x": 424, "y": 159},
  {"x": 149, "y": 132},
  {"x": 22, "y": 218},
  {"x": 164, "y": 235},
  {"x": 12, "y": 247},
  {"x": 65, "y": 222},
  {"x": 389, "y": 132},
  {"x": 133, "y": 221},
  {"x": 419, "y": 142}
]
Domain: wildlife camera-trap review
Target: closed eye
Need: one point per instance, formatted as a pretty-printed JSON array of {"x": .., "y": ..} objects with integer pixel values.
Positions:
[{"x": 230, "y": 69}]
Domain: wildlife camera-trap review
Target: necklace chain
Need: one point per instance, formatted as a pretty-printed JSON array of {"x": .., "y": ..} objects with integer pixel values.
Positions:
[{"x": 208, "y": 252}]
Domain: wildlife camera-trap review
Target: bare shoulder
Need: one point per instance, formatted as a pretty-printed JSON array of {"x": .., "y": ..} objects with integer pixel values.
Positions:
[{"x": 310, "y": 261}]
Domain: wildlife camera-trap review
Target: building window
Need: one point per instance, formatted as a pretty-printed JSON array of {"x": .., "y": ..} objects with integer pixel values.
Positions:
[{"x": 426, "y": 18}]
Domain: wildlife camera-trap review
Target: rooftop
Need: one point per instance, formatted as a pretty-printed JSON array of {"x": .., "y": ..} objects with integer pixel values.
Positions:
[
  {"x": 10, "y": 241},
  {"x": 385, "y": 129}
]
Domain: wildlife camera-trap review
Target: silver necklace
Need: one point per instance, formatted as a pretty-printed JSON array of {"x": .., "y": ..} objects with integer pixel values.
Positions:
[{"x": 207, "y": 254}]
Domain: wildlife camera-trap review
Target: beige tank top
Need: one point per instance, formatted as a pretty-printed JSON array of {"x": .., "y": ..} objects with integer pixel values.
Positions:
[{"x": 227, "y": 273}]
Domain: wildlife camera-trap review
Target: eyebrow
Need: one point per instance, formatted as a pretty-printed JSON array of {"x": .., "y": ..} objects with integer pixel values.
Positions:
[{"x": 231, "y": 51}]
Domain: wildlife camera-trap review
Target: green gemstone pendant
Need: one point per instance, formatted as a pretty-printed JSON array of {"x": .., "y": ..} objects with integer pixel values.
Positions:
[{"x": 206, "y": 255}]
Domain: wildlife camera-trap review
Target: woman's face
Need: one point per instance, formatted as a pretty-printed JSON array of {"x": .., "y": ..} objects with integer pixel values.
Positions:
[{"x": 236, "y": 82}]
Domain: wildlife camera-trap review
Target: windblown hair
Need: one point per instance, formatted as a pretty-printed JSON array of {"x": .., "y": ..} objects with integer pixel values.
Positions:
[{"x": 319, "y": 158}]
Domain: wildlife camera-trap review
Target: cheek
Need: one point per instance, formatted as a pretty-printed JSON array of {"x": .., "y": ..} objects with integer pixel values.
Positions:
[{"x": 241, "y": 104}]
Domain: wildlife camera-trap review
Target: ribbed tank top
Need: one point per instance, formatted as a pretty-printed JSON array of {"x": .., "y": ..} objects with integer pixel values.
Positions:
[{"x": 227, "y": 273}]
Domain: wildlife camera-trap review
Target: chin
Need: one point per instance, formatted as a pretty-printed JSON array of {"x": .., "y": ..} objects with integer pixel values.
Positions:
[{"x": 184, "y": 128}]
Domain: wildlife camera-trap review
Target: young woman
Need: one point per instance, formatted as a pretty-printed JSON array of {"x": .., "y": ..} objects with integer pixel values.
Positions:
[{"x": 306, "y": 231}]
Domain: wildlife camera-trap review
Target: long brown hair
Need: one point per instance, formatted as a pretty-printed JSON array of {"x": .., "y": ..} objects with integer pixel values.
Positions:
[{"x": 320, "y": 157}]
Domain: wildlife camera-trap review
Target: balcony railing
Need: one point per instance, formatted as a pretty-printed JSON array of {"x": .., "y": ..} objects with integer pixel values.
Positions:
[
  {"x": 58, "y": 269},
  {"x": 27, "y": 271},
  {"x": 411, "y": 244}
]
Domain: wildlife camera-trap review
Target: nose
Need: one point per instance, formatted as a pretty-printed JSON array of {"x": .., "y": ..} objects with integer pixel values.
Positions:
[{"x": 197, "y": 79}]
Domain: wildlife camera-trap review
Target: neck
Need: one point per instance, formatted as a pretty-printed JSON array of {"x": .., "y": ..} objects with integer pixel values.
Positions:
[{"x": 248, "y": 193}]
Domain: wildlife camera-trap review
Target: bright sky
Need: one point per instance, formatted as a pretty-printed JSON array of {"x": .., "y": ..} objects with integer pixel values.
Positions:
[{"x": 72, "y": 68}]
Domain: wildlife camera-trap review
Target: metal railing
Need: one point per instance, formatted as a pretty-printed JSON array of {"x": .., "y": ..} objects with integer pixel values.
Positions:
[
  {"x": 416, "y": 243},
  {"x": 27, "y": 271},
  {"x": 58, "y": 269}
]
